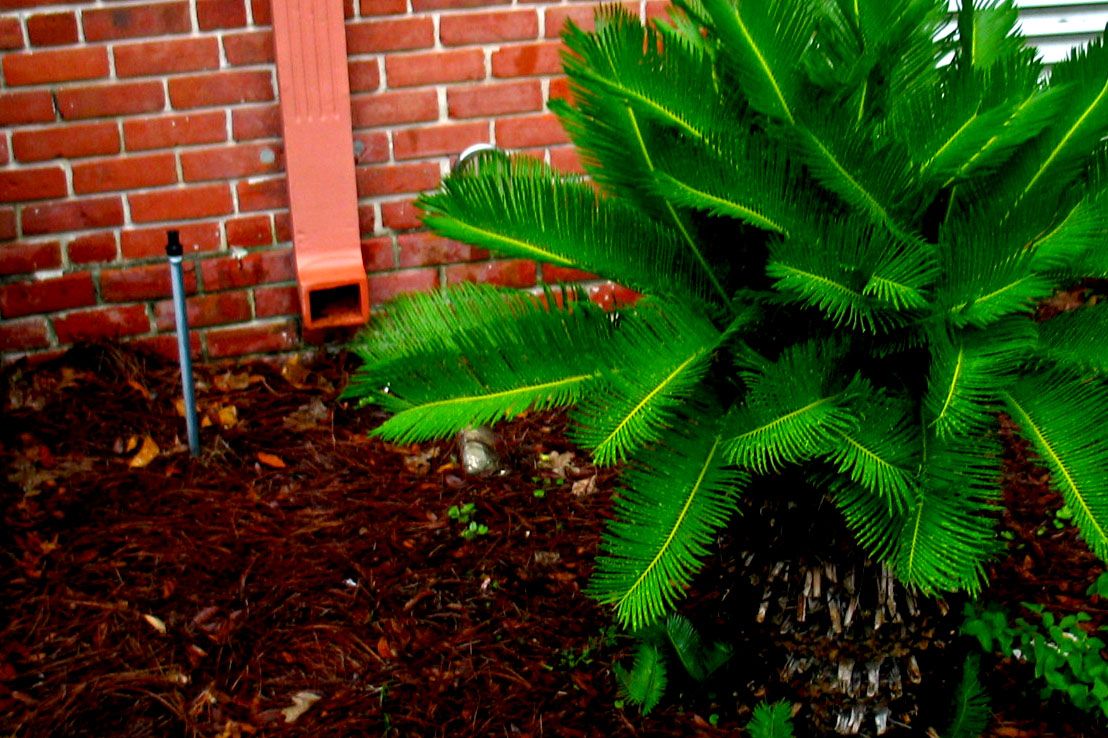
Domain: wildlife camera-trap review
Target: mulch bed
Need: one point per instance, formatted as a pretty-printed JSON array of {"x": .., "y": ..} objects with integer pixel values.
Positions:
[{"x": 301, "y": 578}]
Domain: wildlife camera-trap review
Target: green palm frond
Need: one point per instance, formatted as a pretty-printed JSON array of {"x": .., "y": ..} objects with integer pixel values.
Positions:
[
  {"x": 676, "y": 497},
  {"x": 794, "y": 409},
  {"x": 664, "y": 354},
  {"x": 1077, "y": 239},
  {"x": 969, "y": 370},
  {"x": 523, "y": 208},
  {"x": 771, "y": 721},
  {"x": 645, "y": 684},
  {"x": 1064, "y": 419},
  {"x": 1076, "y": 339},
  {"x": 699, "y": 660},
  {"x": 987, "y": 33},
  {"x": 971, "y": 703}
]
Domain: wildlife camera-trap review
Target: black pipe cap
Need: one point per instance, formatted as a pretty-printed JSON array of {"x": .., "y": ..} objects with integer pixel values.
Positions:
[{"x": 173, "y": 246}]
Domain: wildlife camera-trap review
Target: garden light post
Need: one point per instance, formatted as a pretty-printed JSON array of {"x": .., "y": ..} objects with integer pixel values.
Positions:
[{"x": 174, "y": 251}]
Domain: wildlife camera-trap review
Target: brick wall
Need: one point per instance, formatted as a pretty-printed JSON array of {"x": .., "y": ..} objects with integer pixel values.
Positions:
[{"x": 120, "y": 120}]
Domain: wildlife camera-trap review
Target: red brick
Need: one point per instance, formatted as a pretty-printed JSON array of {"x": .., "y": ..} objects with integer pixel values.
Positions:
[
  {"x": 136, "y": 21},
  {"x": 26, "y": 107},
  {"x": 259, "y": 267},
  {"x": 426, "y": 249},
  {"x": 169, "y": 131},
  {"x": 165, "y": 346},
  {"x": 373, "y": 37},
  {"x": 255, "y": 230},
  {"x": 265, "y": 194},
  {"x": 657, "y": 9},
  {"x": 254, "y": 339},
  {"x": 220, "y": 14},
  {"x": 11, "y": 34},
  {"x": 487, "y": 100},
  {"x": 205, "y": 310},
  {"x": 402, "y": 215},
  {"x": 261, "y": 12},
  {"x": 451, "y": 138},
  {"x": 282, "y": 227},
  {"x": 392, "y": 108},
  {"x": 422, "y": 5},
  {"x": 256, "y": 122},
  {"x": 47, "y": 295},
  {"x": 20, "y": 185},
  {"x": 142, "y": 283},
  {"x": 20, "y": 335},
  {"x": 195, "y": 238},
  {"x": 69, "y": 142},
  {"x": 566, "y": 159},
  {"x": 488, "y": 28},
  {"x": 273, "y": 301},
  {"x": 552, "y": 274},
  {"x": 72, "y": 215},
  {"x": 166, "y": 57},
  {"x": 93, "y": 248},
  {"x": 383, "y": 7},
  {"x": 583, "y": 15},
  {"x": 126, "y": 173},
  {"x": 610, "y": 295},
  {"x": 526, "y": 60},
  {"x": 52, "y": 29},
  {"x": 393, "y": 180},
  {"x": 224, "y": 88},
  {"x": 102, "y": 323},
  {"x": 232, "y": 162},
  {"x": 184, "y": 203},
  {"x": 384, "y": 287},
  {"x": 365, "y": 76},
  {"x": 510, "y": 273},
  {"x": 254, "y": 47},
  {"x": 61, "y": 65},
  {"x": 7, "y": 224},
  {"x": 530, "y": 130},
  {"x": 377, "y": 254},
  {"x": 559, "y": 90},
  {"x": 109, "y": 100},
  {"x": 371, "y": 148},
  {"x": 14, "y": 4},
  {"x": 24, "y": 258},
  {"x": 407, "y": 70},
  {"x": 5, "y": 154}
]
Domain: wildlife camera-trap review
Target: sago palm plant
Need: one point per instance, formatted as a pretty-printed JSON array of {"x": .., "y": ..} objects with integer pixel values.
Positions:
[{"x": 841, "y": 221}]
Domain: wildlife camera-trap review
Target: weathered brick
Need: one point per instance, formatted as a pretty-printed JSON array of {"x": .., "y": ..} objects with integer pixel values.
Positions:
[
  {"x": 610, "y": 296},
  {"x": 393, "y": 180},
  {"x": 102, "y": 323},
  {"x": 70, "y": 142},
  {"x": 365, "y": 76},
  {"x": 166, "y": 57},
  {"x": 253, "y": 339},
  {"x": 259, "y": 267},
  {"x": 383, "y": 7},
  {"x": 280, "y": 300},
  {"x": 136, "y": 21},
  {"x": 72, "y": 215},
  {"x": 253, "y": 47},
  {"x": 52, "y": 29},
  {"x": 371, "y": 148},
  {"x": 26, "y": 107},
  {"x": 422, "y": 5},
  {"x": 450, "y": 138},
  {"x": 530, "y": 130},
  {"x": 254, "y": 230},
  {"x": 408, "y": 70},
  {"x": 656, "y": 9},
  {"x": 263, "y": 194},
  {"x": 488, "y": 28},
  {"x": 168, "y": 131},
  {"x": 127, "y": 173},
  {"x": 59, "y": 65},
  {"x": 146, "y": 242},
  {"x": 23, "y": 335},
  {"x": 282, "y": 227},
  {"x": 400, "y": 215},
  {"x": 262, "y": 12},
  {"x": 232, "y": 162},
  {"x": 24, "y": 258},
  {"x": 488, "y": 100},
  {"x": 404, "y": 34},
  {"x": 8, "y": 230},
  {"x": 184, "y": 203},
  {"x": 11, "y": 34},
  {"x": 92, "y": 248},
  {"x": 583, "y": 14},
  {"x": 5, "y": 154},
  {"x": 16, "y": 4},
  {"x": 143, "y": 282},
  {"x": 509, "y": 273},
  {"x": 47, "y": 295},
  {"x": 19, "y": 185},
  {"x": 256, "y": 122},
  {"x": 223, "y": 88},
  {"x": 205, "y": 310},
  {"x": 110, "y": 100},
  {"x": 526, "y": 60},
  {"x": 367, "y": 220},
  {"x": 384, "y": 287},
  {"x": 392, "y": 108},
  {"x": 377, "y": 254},
  {"x": 552, "y": 274},
  {"x": 426, "y": 249},
  {"x": 566, "y": 159},
  {"x": 165, "y": 345},
  {"x": 211, "y": 14}
]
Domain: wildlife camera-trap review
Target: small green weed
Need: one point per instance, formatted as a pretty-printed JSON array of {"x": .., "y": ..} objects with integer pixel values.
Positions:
[{"x": 464, "y": 515}]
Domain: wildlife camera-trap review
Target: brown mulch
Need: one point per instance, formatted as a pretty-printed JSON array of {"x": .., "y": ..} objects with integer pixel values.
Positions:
[{"x": 301, "y": 578}]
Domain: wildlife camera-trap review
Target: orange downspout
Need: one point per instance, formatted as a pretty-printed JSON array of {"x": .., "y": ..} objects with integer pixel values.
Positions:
[{"x": 310, "y": 44}]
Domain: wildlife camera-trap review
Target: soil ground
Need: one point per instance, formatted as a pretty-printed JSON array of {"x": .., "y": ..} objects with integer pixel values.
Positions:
[{"x": 302, "y": 579}]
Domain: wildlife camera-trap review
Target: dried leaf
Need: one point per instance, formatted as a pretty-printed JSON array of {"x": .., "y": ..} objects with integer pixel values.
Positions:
[
  {"x": 271, "y": 460},
  {"x": 155, "y": 622},
  {"x": 139, "y": 388},
  {"x": 228, "y": 416},
  {"x": 301, "y": 701},
  {"x": 384, "y": 649},
  {"x": 179, "y": 403},
  {"x": 583, "y": 487},
  {"x": 229, "y": 382},
  {"x": 312, "y": 415},
  {"x": 132, "y": 444},
  {"x": 146, "y": 454},
  {"x": 295, "y": 373}
]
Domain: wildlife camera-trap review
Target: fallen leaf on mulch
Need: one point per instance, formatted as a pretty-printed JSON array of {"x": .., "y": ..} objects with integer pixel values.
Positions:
[
  {"x": 301, "y": 701},
  {"x": 584, "y": 487},
  {"x": 145, "y": 455},
  {"x": 155, "y": 622},
  {"x": 271, "y": 460},
  {"x": 228, "y": 416},
  {"x": 230, "y": 382}
]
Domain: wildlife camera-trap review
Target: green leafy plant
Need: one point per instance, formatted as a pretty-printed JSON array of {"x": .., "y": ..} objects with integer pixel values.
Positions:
[
  {"x": 771, "y": 721},
  {"x": 840, "y": 223},
  {"x": 971, "y": 704},
  {"x": 464, "y": 516}
]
